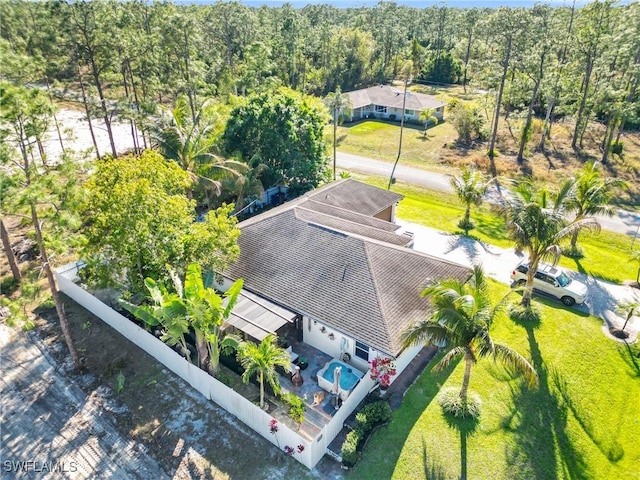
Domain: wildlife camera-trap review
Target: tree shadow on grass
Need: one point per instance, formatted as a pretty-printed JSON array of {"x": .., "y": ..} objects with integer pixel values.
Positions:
[
  {"x": 432, "y": 470},
  {"x": 493, "y": 226},
  {"x": 609, "y": 447},
  {"x": 539, "y": 421},
  {"x": 465, "y": 428},
  {"x": 416, "y": 400},
  {"x": 630, "y": 354},
  {"x": 595, "y": 274}
]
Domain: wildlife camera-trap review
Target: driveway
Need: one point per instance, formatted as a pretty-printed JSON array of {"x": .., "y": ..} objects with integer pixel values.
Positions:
[
  {"x": 498, "y": 264},
  {"x": 623, "y": 221}
]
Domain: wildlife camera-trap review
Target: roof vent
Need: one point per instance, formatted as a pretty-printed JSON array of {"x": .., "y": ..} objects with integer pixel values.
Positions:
[{"x": 344, "y": 272}]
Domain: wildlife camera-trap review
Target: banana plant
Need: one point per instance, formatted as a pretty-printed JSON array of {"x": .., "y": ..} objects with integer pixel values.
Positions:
[
  {"x": 207, "y": 315},
  {"x": 191, "y": 306}
]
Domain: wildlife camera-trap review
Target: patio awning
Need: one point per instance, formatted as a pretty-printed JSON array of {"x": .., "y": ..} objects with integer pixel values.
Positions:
[{"x": 258, "y": 317}]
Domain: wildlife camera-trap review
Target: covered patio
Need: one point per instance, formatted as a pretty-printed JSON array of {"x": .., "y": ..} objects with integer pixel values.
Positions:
[{"x": 256, "y": 317}]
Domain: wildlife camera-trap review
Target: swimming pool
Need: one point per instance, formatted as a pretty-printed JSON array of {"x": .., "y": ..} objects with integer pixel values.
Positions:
[{"x": 349, "y": 377}]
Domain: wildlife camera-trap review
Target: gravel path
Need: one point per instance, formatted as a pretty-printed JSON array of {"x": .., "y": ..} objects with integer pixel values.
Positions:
[{"x": 50, "y": 429}]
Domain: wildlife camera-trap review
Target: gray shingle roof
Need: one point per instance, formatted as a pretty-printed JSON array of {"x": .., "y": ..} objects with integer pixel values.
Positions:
[
  {"x": 355, "y": 196},
  {"x": 362, "y": 287},
  {"x": 348, "y": 226},
  {"x": 388, "y": 96},
  {"x": 350, "y": 216}
]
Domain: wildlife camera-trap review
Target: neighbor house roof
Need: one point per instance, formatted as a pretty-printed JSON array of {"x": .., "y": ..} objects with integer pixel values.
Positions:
[
  {"x": 389, "y": 96},
  {"x": 355, "y": 196},
  {"x": 347, "y": 274}
]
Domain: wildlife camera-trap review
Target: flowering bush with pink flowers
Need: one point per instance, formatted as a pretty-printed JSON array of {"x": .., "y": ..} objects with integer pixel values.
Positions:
[{"x": 382, "y": 370}]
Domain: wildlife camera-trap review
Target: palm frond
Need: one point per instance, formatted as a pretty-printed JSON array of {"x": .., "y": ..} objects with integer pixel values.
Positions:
[
  {"x": 424, "y": 332},
  {"x": 449, "y": 357}
]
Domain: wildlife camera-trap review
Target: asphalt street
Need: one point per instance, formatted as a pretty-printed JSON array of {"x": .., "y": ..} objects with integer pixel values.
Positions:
[{"x": 622, "y": 222}]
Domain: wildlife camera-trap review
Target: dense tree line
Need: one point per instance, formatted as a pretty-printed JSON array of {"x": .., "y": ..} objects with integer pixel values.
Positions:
[{"x": 130, "y": 56}]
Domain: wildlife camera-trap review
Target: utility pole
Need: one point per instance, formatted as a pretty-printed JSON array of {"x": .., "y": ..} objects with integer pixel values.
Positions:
[{"x": 404, "y": 104}]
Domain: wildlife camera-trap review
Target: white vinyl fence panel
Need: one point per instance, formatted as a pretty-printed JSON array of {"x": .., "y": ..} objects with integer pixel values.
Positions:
[{"x": 231, "y": 401}]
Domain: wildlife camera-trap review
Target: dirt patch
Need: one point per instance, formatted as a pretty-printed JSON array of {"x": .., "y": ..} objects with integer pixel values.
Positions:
[{"x": 187, "y": 435}]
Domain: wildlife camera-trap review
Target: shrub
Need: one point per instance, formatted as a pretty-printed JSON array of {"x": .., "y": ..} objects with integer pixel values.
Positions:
[
  {"x": 367, "y": 419},
  {"x": 350, "y": 448},
  {"x": 617, "y": 148},
  {"x": 451, "y": 402},
  {"x": 466, "y": 226},
  {"x": 520, "y": 314},
  {"x": 296, "y": 407},
  {"x": 573, "y": 252},
  {"x": 374, "y": 414}
]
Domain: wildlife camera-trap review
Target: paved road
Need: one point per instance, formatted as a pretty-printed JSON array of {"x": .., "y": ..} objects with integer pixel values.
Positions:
[
  {"x": 50, "y": 429},
  {"x": 498, "y": 263},
  {"x": 622, "y": 222}
]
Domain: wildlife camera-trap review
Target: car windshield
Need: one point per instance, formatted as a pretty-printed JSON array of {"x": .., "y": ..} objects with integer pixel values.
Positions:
[{"x": 563, "y": 280}]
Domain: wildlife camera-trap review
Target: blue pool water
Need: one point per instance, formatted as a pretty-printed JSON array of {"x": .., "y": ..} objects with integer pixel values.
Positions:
[{"x": 348, "y": 376}]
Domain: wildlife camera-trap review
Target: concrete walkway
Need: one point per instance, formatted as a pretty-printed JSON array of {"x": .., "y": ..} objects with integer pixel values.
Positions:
[{"x": 498, "y": 263}]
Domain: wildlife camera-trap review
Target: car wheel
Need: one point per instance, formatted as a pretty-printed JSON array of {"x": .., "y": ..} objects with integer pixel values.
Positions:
[
  {"x": 521, "y": 283},
  {"x": 568, "y": 301}
]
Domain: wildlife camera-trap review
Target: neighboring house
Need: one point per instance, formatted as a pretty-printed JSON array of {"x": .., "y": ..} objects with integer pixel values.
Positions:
[
  {"x": 385, "y": 101},
  {"x": 349, "y": 276}
]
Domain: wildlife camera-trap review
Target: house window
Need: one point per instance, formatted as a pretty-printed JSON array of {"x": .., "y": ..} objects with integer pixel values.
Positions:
[
  {"x": 410, "y": 112},
  {"x": 362, "y": 351},
  {"x": 381, "y": 109}
]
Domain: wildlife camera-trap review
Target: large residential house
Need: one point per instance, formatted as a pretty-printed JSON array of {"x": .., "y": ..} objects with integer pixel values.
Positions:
[
  {"x": 384, "y": 101},
  {"x": 346, "y": 272}
]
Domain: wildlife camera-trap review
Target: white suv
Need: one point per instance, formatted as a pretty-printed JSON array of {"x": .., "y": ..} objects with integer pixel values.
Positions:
[{"x": 552, "y": 281}]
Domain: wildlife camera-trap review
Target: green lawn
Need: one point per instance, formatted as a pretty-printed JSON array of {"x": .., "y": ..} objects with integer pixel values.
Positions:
[
  {"x": 606, "y": 253},
  {"x": 379, "y": 139},
  {"x": 581, "y": 423}
]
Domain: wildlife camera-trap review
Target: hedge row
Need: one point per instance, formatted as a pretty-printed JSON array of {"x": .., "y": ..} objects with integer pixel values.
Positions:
[{"x": 367, "y": 419}]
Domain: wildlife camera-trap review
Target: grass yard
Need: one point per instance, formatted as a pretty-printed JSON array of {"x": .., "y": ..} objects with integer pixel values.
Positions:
[
  {"x": 379, "y": 139},
  {"x": 606, "y": 253},
  {"x": 581, "y": 423}
]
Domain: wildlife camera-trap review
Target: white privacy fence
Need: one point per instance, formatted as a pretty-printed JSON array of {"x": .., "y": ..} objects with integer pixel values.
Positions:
[
  {"x": 231, "y": 401},
  {"x": 333, "y": 428}
]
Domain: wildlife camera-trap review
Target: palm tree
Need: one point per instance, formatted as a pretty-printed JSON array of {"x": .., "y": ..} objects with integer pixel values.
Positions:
[
  {"x": 192, "y": 142},
  {"x": 339, "y": 104},
  {"x": 536, "y": 222},
  {"x": 428, "y": 116},
  {"x": 591, "y": 196},
  {"x": 261, "y": 360},
  {"x": 629, "y": 309},
  {"x": 470, "y": 187},
  {"x": 461, "y": 318},
  {"x": 244, "y": 183}
]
